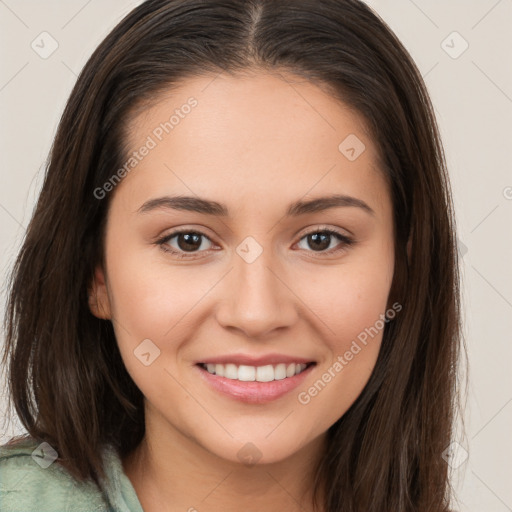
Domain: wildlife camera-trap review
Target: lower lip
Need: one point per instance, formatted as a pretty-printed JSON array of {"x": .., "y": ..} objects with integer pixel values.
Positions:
[{"x": 254, "y": 392}]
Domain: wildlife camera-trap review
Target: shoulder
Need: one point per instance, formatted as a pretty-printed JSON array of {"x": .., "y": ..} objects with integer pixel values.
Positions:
[{"x": 31, "y": 480}]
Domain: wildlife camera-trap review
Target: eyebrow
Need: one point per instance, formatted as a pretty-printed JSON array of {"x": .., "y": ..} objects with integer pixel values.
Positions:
[{"x": 207, "y": 207}]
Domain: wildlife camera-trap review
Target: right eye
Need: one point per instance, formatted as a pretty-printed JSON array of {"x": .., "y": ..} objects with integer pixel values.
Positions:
[{"x": 187, "y": 242}]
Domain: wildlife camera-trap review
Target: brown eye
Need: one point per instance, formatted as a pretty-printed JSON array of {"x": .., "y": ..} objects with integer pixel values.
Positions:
[
  {"x": 188, "y": 241},
  {"x": 320, "y": 241},
  {"x": 184, "y": 242}
]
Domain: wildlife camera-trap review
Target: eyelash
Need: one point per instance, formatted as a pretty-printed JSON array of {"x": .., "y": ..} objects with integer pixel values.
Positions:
[{"x": 162, "y": 242}]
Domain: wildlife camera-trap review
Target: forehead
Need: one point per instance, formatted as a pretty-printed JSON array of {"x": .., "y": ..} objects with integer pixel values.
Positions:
[{"x": 260, "y": 133}]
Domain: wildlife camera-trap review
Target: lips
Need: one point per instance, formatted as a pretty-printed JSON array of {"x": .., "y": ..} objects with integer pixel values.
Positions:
[{"x": 255, "y": 379}]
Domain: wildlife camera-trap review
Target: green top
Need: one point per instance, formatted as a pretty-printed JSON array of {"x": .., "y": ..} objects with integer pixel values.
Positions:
[{"x": 31, "y": 481}]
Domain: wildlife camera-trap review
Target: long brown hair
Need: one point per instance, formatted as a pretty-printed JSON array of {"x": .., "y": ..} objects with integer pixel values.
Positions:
[{"x": 66, "y": 378}]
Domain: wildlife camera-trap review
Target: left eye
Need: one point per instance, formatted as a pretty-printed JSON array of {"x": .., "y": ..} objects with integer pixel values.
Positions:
[{"x": 322, "y": 240}]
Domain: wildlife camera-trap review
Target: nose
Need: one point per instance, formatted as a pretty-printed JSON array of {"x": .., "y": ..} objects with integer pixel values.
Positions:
[{"x": 257, "y": 298}]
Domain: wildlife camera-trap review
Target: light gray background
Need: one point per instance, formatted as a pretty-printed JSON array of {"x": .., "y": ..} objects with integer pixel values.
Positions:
[{"x": 472, "y": 95}]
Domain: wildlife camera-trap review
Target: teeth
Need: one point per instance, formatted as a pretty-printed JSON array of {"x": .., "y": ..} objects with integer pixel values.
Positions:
[
  {"x": 246, "y": 373},
  {"x": 219, "y": 370},
  {"x": 280, "y": 372}
]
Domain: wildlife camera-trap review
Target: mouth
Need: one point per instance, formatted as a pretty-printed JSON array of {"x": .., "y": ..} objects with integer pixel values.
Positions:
[
  {"x": 246, "y": 373},
  {"x": 254, "y": 384}
]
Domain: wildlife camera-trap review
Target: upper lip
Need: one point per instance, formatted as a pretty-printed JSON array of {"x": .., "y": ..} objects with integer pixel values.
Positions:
[{"x": 250, "y": 360}]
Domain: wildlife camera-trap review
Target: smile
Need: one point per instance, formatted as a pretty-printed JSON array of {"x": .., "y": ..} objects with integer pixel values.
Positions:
[
  {"x": 254, "y": 384},
  {"x": 247, "y": 373}
]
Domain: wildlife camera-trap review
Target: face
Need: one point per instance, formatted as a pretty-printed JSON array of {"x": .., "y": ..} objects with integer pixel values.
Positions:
[{"x": 251, "y": 314}]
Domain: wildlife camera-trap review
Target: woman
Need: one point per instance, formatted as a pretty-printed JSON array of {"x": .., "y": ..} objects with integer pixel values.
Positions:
[{"x": 239, "y": 287}]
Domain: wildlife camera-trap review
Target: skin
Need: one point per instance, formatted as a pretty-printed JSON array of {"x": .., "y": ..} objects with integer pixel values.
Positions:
[{"x": 256, "y": 156}]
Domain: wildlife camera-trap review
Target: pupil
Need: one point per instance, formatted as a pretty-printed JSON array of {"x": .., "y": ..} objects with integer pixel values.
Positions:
[
  {"x": 324, "y": 243},
  {"x": 192, "y": 241}
]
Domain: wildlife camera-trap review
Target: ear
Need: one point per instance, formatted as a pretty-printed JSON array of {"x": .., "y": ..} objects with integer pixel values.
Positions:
[{"x": 99, "y": 302}]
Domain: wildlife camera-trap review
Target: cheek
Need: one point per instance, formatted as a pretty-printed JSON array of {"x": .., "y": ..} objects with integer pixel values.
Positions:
[
  {"x": 351, "y": 308},
  {"x": 347, "y": 300},
  {"x": 157, "y": 302},
  {"x": 150, "y": 298}
]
